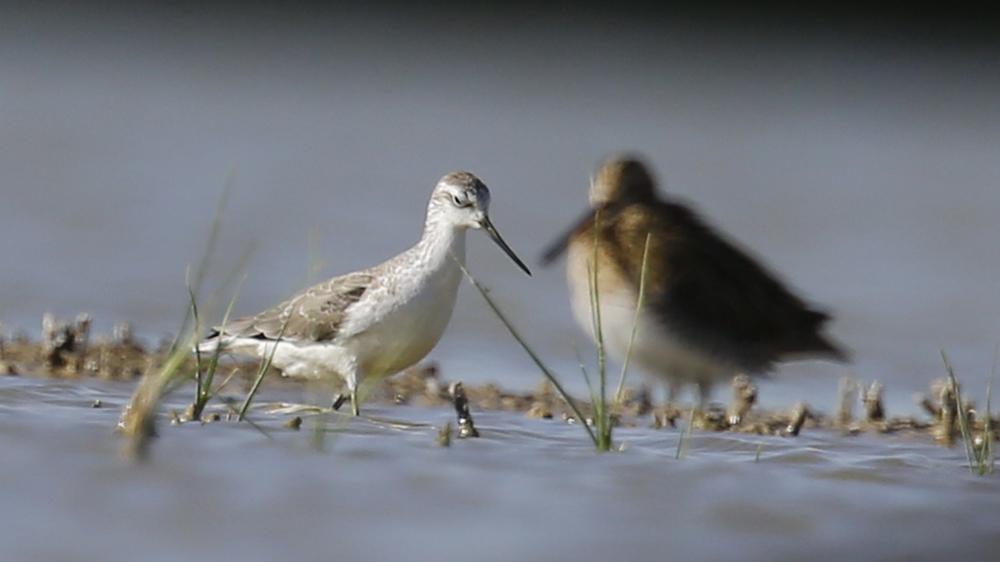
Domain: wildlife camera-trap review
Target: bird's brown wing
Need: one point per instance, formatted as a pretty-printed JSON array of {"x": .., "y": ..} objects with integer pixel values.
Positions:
[
  {"x": 315, "y": 314},
  {"x": 715, "y": 294}
]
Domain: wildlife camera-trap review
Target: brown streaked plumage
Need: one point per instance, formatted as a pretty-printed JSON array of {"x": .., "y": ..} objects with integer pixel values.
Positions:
[{"x": 710, "y": 310}]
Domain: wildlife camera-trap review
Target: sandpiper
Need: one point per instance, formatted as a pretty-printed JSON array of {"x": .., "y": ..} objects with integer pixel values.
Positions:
[
  {"x": 709, "y": 310},
  {"x": 377, "y": 321}
]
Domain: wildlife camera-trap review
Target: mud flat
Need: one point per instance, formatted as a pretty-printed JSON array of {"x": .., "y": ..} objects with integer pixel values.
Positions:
[{"x": 68, "y": 351}]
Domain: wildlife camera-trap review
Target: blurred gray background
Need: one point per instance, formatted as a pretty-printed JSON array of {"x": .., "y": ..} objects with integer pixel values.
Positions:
[{"x": 856, "y": 149}]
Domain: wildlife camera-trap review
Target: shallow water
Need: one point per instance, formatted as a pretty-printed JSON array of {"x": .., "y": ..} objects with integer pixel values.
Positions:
[
  {"x": 527, "y": 489},
  {"x": 861, "y": 160}
]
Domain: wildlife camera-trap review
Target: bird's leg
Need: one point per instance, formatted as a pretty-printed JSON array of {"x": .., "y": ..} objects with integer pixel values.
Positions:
[
  {"x": 338, "y": 400},
  {"x": 341, "y": 397},
  {"x": 352, "y": 380}
]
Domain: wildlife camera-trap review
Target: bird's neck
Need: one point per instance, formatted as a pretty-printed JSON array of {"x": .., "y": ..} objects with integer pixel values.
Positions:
[{"x": 442, "y": 243}]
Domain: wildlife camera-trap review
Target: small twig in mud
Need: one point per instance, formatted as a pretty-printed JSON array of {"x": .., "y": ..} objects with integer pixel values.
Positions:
[
  {"x": 847, "y": 391},
  {"x": 872, "y": 399},
  {"x": 947, "y": 411},
  {"x": 744, "y": 397},
  {"x": 53, "y": 338},
  {"x": 62, "y": 341},
  {"x": 81, "y": 335},
  {"x": 443, "y": 437},
  {"x": 122, "y": 334},
  {"x": 799, "y": 416},
  {"x": 81, "y": 339},
  {"x": 466, "y": 428}
]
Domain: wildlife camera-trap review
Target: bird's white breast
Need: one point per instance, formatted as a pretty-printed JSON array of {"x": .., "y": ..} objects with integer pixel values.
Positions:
[
  {"x": 655, "y": 348},
  {"x": 402, "y": 317}
]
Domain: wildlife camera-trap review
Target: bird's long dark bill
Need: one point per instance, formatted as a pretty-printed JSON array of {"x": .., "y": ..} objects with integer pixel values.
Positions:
[
  {"x": 560, "y": 244},
  {"x": 492, "y": 231}
]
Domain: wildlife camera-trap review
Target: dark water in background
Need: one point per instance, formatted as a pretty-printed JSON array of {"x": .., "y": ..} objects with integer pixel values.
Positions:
[{"x": 862, "y": 158}]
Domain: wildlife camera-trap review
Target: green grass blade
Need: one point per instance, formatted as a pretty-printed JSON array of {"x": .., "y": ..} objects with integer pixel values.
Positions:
[
  {"x": 963, "y": 420},
  {"x": 261, "y": 371},
  {"x": 524, "y": 345},
  {"x": 635, "y": 322},
  {"x": 213, "y": 239},
  {"x": 987, "y": 456},
  {"x": 605, "y": 425}
]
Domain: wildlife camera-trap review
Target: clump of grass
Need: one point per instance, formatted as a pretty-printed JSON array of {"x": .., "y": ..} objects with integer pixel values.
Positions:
[
  {"x": 204, "y": 382},
  {"x": 605, "y": 413},
  {"x": 598, "y": 394},
  {"x": 265, "y": 365},
  {"x": 979, "y": 450},
  {"x": 205, "y": 377},
  {"x": 138, "y": 420}
]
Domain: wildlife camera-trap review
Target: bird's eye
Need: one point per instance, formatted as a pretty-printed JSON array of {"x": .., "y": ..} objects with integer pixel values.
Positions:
[{"x": 458, "y": 201}]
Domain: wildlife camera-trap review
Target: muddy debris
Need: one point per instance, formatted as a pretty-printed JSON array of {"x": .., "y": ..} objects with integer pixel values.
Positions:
[
  {"x": 69, "y": 350},
  {"x": 799, "y": 416},
  {"x": 744, "y": 397},
  {"x": 872, "y": 399},
  {"x": 847, "y": 390},
  {"x": 945, "y": 405},
  {"x": 466, "y": 427}
]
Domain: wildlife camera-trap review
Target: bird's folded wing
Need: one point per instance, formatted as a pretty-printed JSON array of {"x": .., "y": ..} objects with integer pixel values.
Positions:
[{"x": 315, "y": 314}]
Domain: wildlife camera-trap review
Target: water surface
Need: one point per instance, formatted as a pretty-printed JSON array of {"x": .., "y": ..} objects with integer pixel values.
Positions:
[
  {"x": 860, "y": 160},
  {"x": 527, "y": 489}
]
